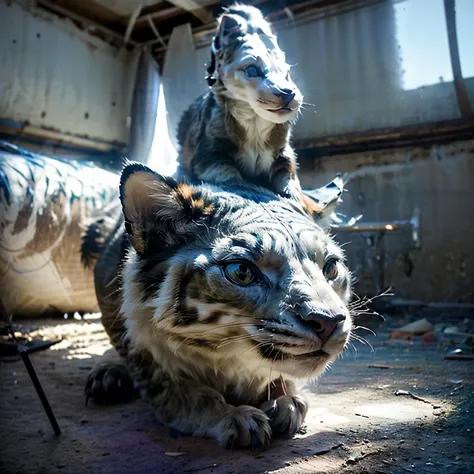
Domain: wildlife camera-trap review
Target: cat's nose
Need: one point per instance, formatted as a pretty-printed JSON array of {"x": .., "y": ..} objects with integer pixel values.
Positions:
[
  {"x": 286, "y": 94},
  {"x": 324, "y": 324}
]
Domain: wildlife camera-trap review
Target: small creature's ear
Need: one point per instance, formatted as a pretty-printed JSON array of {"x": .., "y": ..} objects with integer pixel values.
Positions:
[
  {"x": 230, "y": 27},
  {"x": 158, "y": 210}
]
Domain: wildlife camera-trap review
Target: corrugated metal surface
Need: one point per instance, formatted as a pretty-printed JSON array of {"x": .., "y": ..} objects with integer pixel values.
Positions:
[
  {"x": 351, "y": 67},
  {"x": 57, "y": 77}
]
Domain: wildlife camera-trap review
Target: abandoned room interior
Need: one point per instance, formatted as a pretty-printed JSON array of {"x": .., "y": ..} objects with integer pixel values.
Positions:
[{"x": 236, "y": 237}]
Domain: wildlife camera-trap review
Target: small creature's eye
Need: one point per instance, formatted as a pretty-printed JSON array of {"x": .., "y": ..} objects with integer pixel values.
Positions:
[
  {"x": 330, "y": 269},
  {"x": 253, "y": 71},
  {"x": 241, "y": 273}
]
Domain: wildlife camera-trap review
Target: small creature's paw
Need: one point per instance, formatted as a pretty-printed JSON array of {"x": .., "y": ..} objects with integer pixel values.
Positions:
[
  {"x": 244, "y": 426},
  {"x": 286, "y": 415},
  {"x": 109, "y": 384},
  {"x": 292, "y": 190}
]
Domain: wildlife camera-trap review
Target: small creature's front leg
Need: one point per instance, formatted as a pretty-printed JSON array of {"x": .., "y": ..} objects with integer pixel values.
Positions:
[
  {"x": 193, "y": 408},
  {"x": 286, "y": 409},
  {"x": 284, "y": 180}
]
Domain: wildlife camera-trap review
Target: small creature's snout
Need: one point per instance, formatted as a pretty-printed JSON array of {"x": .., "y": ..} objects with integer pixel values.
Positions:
[
  {"x": 287, "y": 95},
  {"x": 324, "y": 324}
]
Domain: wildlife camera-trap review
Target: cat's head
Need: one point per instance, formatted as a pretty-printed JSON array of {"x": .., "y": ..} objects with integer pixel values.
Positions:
[
  {"x": 233, "y": 273},
  {"x": 248, "y": 65}
]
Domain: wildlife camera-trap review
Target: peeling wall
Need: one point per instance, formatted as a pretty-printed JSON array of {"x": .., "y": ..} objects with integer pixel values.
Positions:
[
  {"x": 56, "y": 77},
  {"x": 388, "y": 185}
]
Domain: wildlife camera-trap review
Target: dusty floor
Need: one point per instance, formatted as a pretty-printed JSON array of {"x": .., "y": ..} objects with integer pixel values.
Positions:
[{"x": 355, "y": 424}]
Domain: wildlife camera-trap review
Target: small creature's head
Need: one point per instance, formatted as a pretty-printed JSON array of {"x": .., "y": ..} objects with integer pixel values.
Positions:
[
  {"x": 233, "y": 273},
  {"x": 247, "y": 65}
]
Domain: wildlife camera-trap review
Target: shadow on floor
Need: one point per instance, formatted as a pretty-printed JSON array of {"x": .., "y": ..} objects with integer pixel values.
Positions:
[{"x": 355, "y": 424}]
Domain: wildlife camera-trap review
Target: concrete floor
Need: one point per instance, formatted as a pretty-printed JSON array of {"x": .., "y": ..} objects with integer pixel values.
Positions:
[{"x": 356, "y": 424}]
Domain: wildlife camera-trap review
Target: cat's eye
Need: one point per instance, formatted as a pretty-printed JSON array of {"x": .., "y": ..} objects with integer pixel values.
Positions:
[
  {"x": 253, "y": 71},
  {"x": 331, "y": 269},
  {"x": 241, "y": 273}
]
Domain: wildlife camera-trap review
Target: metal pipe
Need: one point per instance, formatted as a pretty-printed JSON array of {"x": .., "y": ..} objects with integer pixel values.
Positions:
[
  {"x": 459, "y": 85},
  {"x": 413, "y": 223},
  {"x": 373, "y": 226}
]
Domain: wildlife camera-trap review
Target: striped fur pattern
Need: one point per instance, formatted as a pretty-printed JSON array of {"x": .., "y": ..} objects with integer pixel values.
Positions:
[
  {"x": 219, "y": 300},
  {"x": 241, "y": 128}
]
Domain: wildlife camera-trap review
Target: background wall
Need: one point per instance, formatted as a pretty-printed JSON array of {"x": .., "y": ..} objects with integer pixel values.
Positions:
[
  {"x": 56, "y": 80},
  {"x": 388, "y": 185}
]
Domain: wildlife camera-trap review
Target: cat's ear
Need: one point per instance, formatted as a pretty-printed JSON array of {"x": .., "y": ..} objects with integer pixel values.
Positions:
[{"x": 158, "y": 210}]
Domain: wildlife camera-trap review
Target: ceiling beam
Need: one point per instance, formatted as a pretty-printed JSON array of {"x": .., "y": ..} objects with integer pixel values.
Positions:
[
  {"x": 90, "y": 24},
  {"x": 160, "y": 15},
  {"x": 194, "y": 8}
]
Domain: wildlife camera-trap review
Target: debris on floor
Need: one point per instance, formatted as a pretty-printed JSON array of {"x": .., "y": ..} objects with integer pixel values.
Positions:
[
  {"x": 416, "y": 328},
  {"x": 457, "y": 340}
]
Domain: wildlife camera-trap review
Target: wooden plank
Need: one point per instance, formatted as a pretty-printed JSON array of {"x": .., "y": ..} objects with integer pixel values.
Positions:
[
  {"x": 160, "y": 15},
  {"x": 195, "y": 9}
]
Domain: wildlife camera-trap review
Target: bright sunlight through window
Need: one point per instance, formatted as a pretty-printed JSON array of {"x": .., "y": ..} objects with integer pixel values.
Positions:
[
  {"x": 423, "y": 41},
  {"x": 163, "y": 155}
]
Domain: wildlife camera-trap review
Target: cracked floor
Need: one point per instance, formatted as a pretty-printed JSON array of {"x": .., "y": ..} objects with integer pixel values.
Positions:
[{"x": 356, "y": 423}]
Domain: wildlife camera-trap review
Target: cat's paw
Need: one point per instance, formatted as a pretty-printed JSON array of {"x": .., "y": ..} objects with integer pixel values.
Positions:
[
  {"x": 244, "y": 426},
  {"x": 108, "y": 384},
  {"x": 286, "y": 415}
]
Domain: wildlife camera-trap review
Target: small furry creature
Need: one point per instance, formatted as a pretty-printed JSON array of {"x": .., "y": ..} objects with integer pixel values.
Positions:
[
  {"x": 228, "y": 296},
  {"x": 241, "y": 128}
]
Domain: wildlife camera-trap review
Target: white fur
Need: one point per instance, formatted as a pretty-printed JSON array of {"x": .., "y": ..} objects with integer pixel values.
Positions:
[{"x": 256, "y": 156}]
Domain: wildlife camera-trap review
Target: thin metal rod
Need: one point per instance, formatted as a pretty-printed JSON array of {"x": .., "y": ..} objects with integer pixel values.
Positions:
[
  {"x": 39, "y": 389},
  {"x": 131, "y": 23},
  {"x": 459, "y": 85},
  {"x": 153, "y": 27}
]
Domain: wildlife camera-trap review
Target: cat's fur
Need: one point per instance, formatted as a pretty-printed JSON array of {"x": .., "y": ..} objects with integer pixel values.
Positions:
[{"x": 217, "y": 357}]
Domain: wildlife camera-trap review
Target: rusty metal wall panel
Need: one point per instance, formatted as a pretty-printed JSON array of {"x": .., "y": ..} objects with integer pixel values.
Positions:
[
  {"x": 355, "y": 68},
  {"x": 56, "y": 77}
]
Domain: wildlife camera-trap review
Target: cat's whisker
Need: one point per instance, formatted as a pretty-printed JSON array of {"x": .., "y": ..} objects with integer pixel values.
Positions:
[
  {"x": 366, "y": 329},
  {"x": 363, "y": 341}
]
